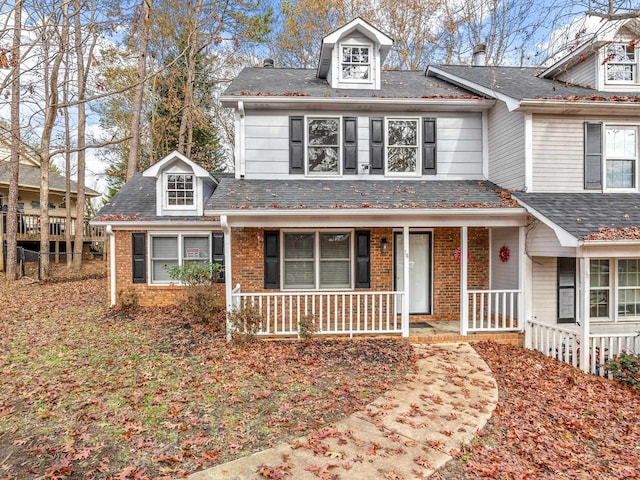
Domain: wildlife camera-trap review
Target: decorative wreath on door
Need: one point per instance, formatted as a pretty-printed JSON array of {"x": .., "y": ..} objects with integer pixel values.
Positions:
[{"x": 504, "y": 253}]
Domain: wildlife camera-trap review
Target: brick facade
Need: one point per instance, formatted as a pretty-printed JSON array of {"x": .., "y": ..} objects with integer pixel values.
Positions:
[{"x": 248, "y": 268}]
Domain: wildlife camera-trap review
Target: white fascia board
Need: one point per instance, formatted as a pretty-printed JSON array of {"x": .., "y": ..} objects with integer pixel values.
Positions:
[
  {"x": 511, "y": 103},
  {"x": 362, "y": 103},
  {"x": 600, "y": 107},
  {"x": 473, "y": 217},
  {"x": 157, "y": 224},
  {"x": 564, "y": 237}
]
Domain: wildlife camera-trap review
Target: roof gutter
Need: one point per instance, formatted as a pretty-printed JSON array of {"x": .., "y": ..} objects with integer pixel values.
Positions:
[
  {"x": 595, "y": 106},
  {"x": 368, "y": 212},
  {"x": 564, "y": 237},
  {"x": 126, "y": 224},
  {"x": 365, "y": 102}
]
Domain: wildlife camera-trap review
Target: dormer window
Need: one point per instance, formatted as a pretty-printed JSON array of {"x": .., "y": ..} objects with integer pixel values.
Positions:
[
  {"x": 356, "y": 63},
  {"x": 621, "y": 63},
  {"x": 180, "y": 191}
]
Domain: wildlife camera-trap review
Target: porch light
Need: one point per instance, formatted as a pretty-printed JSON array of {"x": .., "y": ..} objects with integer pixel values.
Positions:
[{"x": 384, "y": 246}]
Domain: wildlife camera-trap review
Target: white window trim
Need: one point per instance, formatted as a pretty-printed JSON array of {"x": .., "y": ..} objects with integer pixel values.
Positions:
[
  {"x": 634, "y": 81},
  {"x": 308, "y": 173},
  {"x": 316, "y": 259},
  {"x": 613, "y": 288},
  {"x": 351, "y": 44},
  {"x": 180, "y": 237},
  {"x": 605, "y": 127},
  {"x": 165, "y": 192},
  {"x": 418, "y": 172}
]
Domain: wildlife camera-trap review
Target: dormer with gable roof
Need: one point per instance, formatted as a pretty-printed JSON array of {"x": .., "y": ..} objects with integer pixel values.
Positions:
[
  {"x": 181, "y": 186},
  {"x": 352, "y": 56},
  {"x": 609, "y": 61}
]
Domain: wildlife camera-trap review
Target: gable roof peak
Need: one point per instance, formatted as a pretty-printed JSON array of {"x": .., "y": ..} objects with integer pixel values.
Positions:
[{"x": 155, "y": 169}]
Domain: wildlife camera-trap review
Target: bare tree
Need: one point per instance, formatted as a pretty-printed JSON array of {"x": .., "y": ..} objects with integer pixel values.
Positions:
[{"x": 14, "y": 162}]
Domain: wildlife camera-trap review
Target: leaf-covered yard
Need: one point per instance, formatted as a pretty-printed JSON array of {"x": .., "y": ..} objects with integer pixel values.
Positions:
[
  {"x": 89, "y": 393},
  {"x": 92, "y": 393}
]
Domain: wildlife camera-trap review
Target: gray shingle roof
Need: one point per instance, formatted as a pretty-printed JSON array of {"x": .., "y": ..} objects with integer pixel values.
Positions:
[
  {"x": 29, "y": 176},
  {"x": 137, "y": 198},
  {"x": 582, "y": 214},
  {"x": 326, "y": 194},
  {"x": 522, "y": 83},
  {"x": 303, "y": 82}
]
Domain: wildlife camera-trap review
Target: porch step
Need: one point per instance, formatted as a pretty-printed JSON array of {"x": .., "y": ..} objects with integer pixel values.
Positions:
[{"x": 507, "y": 338}]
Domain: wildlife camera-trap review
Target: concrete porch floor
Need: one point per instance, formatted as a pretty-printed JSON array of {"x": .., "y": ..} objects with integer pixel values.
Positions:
[{"x": 449, "y": 331}]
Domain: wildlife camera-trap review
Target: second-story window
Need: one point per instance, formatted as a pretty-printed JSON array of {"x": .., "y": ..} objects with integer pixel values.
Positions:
[
  {"x": 402, "y": 146},
  {"x": 179, "y": 190},
  {"x": 323, "y": 146},
  {"x": 356, "y": 63},
  {"x": 621, "y": 63},
  {"x": 621, "y": 150}
]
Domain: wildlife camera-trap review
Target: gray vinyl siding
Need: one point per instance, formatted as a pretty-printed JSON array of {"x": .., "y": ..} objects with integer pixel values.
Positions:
[
  {"x": 558, "y": 154},
  {"x": 583, "y": 73},
  {"x": 504, "y": 275},
  {"x": 459, "y": 144},
  {"x": 545, "y": 291},
  {"x": 506, "y": 147},
  {"x": 542, "y": 242}
]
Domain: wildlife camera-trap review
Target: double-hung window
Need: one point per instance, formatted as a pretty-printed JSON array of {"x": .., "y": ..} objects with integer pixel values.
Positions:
[
  {"x": 600, "y": 289},
  {"x": 356, "y": 63},
  {"x": 172, "y": 250},
  {"x": 621, "y": 63},
  {"x": 402, "y": 155},
  {"x": 628, "y": 288},
  {"x": 317, "y": 260},
  {"x": 180, "y": 189},
  {"x": 323, "y": 146},
  {"x": 621, "y": 152}
]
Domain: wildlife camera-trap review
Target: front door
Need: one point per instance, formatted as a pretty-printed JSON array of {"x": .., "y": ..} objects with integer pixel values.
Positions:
[{"x": 419, "y": 270}]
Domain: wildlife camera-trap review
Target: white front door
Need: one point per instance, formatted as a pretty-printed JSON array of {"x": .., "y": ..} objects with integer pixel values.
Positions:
[{"x": 419, "y": 271}]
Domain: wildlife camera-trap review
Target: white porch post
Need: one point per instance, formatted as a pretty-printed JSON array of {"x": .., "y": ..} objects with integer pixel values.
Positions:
[
  {"x": 227, "y": 269},
  {"x": 584, "y": 313},
  {"x": 524, "y": 298},
  {"x": 405, "y": 280},
  {"x": 464, "y": 296}
]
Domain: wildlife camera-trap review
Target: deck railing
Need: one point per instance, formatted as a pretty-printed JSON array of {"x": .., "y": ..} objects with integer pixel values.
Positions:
[
  {"x": 328, "y": 313},
  {"x": 604, "y": 347},
  {"x": 494, "y": 310},
  {"x": 28, "y": 228}
]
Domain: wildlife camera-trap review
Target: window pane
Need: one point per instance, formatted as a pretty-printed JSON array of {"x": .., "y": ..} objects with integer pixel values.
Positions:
[
  {"x": 323, "y": 131},
  {"x": 402, "y": 159},
  {"x": 164, "y": 247},
  {"x": 159, "y": 270},
  {"x": 403, "y": 132},
  {"x": 599, "y": 273},
  {"x": 196, "y": 248},
  {"x": 335, "y": 273},
  {"x": 621, "y": 142},
  {"x": 323, "y": 159},
  {"x": 620, "y": 174},
  {"x": 335, "y": 245},
  {"x": 599, "y": 302},
  {"x": 299, "y": 274},
  {"x": 298, "y": 245}
]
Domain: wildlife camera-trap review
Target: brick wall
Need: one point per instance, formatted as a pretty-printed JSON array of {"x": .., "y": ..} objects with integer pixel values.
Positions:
[{"x": 148, "y": 295}]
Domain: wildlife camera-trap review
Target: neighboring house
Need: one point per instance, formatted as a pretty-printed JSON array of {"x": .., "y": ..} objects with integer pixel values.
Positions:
[
  {"x": 499, "y": 198},
  {"x": 28, "y": 233}
]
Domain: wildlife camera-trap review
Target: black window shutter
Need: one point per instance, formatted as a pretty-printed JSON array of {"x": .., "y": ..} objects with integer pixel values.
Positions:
[
  {"x": 296, "y": 144},
  {"x": 593, "y": 156},
  {"x": 350, "y": 156},
  {"x": 376, "y": 143},
  {"x": 566, "y": 305},
  {"x": 271, "y": 259},
  {"x": 139, "y": 257},
  {"x": 217, "y": 252},
  {"x": 428, "y": 146},
  {"x": 363, "y": 259}
]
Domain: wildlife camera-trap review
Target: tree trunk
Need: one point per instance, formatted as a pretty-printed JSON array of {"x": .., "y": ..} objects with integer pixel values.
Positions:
[
  {"x": 134, "y": 144},
  {"x": 14, "y": 162}
]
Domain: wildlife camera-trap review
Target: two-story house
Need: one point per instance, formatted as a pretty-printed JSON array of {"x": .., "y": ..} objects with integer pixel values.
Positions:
[{"x": 381, "y": 201}]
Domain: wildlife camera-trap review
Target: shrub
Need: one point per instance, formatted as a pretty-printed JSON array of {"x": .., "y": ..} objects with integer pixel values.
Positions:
[
  {"x": 625, "y": 368},
  {"x": 128, "y": 299},
  {"x": 307, "y": 327},
  {"x": 201, "y": 303},
  {"x": 245, "y": 323}
]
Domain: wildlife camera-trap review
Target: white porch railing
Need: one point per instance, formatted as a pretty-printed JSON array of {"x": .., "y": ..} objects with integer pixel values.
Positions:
[
  {"x": 564, "y": 345},
  {"x": 494, "y": 310},
  {"x": 332, "y": 313},
  {"x": 605, "y": 347},
  {"x": 555, "y": 341}
]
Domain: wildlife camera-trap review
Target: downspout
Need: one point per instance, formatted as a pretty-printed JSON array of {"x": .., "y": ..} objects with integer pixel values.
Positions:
[
  {"x": 227, "y": 267},
  {"x": 112, "y": 265}
]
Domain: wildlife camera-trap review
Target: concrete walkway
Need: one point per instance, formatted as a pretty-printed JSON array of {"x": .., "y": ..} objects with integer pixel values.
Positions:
[{"x": 407, "y": 433}]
